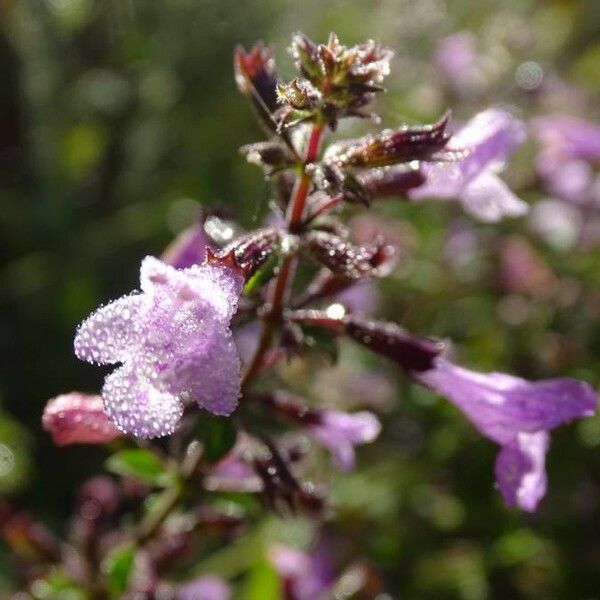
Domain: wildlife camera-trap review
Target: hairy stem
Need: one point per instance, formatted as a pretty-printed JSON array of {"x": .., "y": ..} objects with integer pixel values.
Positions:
[{"x": 280, "y": 288}]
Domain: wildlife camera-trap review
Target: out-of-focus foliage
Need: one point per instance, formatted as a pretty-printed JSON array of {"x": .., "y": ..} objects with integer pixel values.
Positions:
[{"x": 119, "y": 121}]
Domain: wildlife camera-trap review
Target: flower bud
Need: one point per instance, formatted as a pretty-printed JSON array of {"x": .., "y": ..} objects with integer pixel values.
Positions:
[
  {"x": 388, "y": 339},
  {"x": 255, "y": 78},
  {"x": 348, "y": 260},
  {"x": 248, "y": 253},
  {"x": 272, "y": 156},
  {"x": 77, "y": 418},
  {"x": 388, "y": 181},
  {"x": 300, "y": 94},
  {"x": 391, "y": 147}
]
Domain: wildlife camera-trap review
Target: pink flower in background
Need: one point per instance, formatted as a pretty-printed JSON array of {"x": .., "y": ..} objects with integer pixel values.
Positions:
[
  {"x": 174, "y": 343},
  {"x": 570, "y": 149},
  {"x": 207, "y": 587},
  {"x": 517, "y": 414},
  {"x": 339, "y": 432},
  {"x": 306, "y": 576},
  {"x": 488, "y": 140},
  {"x": 77, "y": 418},
  {"x": 456, "y": 57}
]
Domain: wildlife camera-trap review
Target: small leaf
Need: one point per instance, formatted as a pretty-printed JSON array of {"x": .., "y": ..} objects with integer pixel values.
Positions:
[
  {"x": 262, "y": 582},
  {"x": 218, "y": 436},
  {"x": 118, "y": 566},
  {"x": 261, "y": 276},
  {"x": 140, "y": 464}
]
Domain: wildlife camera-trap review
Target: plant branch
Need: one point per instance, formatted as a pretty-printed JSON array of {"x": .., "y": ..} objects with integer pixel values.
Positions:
[{"x": 281, "y": 286}]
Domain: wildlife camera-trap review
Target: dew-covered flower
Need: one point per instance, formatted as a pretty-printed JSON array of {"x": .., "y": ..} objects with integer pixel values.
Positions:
[
  {"x": 77, "y": 418},
  {"x": 339, "y": 432},
  {"x": 517, "y": 414},
  {"x": 488, "y": 140},
  {"x": 174, "y": 343},
  {"x": 207, "y": 587}
]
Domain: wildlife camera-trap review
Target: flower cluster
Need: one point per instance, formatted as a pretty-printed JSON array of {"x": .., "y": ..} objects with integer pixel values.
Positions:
[{"x": 174, "y": 346}]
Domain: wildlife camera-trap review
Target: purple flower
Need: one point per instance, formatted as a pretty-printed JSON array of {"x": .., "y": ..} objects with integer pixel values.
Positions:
[
  {"x": 456, "y": 57},
  {"x": 174, "y": 343},
  {"x": 568, "y": 136},
  {"x": 306, "y": 576},
  {"x": 339, "y": 432},
  {"x": 207, "y": 587},
  {"x": 517, "y": 414},
  {"x": 187, "y": 249},
  {"x": 489, "y": 139},
  {"x": 569, "y": 145}
]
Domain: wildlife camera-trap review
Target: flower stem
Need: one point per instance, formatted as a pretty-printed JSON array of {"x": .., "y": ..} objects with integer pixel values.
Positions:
[
  {"x": 285, "y": 275},
  {"x": 171, "y": 497}
]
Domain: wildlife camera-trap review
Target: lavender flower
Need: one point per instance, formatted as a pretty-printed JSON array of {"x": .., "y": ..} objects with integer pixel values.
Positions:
[
  {"x": 77, "y": 418},
  {"x": 175, "y": 344},
  {"x": 489, "y": 139},
  {"x": 187, "y": 249},
  {"x": 339, "y": 432},
  {"x": 517, "y": 414},
  {"x": 207, "y": 587},
  {"x": 456, "y": 57},
  {"x": 569, "y": 145},
  {"x": 306, "y": 576}
]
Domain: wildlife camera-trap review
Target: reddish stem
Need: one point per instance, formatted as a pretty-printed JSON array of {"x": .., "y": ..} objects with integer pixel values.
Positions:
[
  {"x": 298, "y": 202},
  {"x": 281, "y": 285}
]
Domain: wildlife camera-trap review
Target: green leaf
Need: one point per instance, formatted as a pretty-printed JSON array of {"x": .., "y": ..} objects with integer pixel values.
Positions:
[
  {"x": 117, "y": 567},
  {"x": 261, "y": 276},
  {"x": 140, "y": 464},
  {"x": 262, "y": 582},
  {"x": 218, "y": 435},
  {"x": 323, "y": 342}
]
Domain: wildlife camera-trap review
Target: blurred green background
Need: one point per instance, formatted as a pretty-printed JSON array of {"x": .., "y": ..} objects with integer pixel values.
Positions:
[{"x": 119, "y": 120}]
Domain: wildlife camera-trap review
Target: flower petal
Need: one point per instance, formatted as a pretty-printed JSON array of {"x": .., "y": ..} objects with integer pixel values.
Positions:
[
  {"x": 501, "y": 406},
  {"x": 214, "y": 286},
  {"x": 110, "y": 334},
  {"x": 339, "y": 432},
  {"x": 219, "y": 284},
  {"x": 569, "y": 136},
  {"x": 520, "y": 470},
  {"x": 187, "y": 249},
  {"x": 207, "y": 587},
  {"x": 491, "y": 137},
  {"x": 210, "y": 374},
  {"x": 488, "y": 198},
  {"x": 135, "y": 406}
]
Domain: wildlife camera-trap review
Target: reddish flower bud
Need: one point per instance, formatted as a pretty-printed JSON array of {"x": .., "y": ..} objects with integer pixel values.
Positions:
[
  {"x": 248, "y": 253},
  {"x": 388, "y": 181},
  {"x": 77, "y": 418},
  {"x": 271, "y": 156},
  {"x": 412, "y": 353},
  {"x": 388, "y": 339},
  {"x": 255, "y": 78},
  {"x": 348, "y": 260},
  {"x": 391, "y": 147}
]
